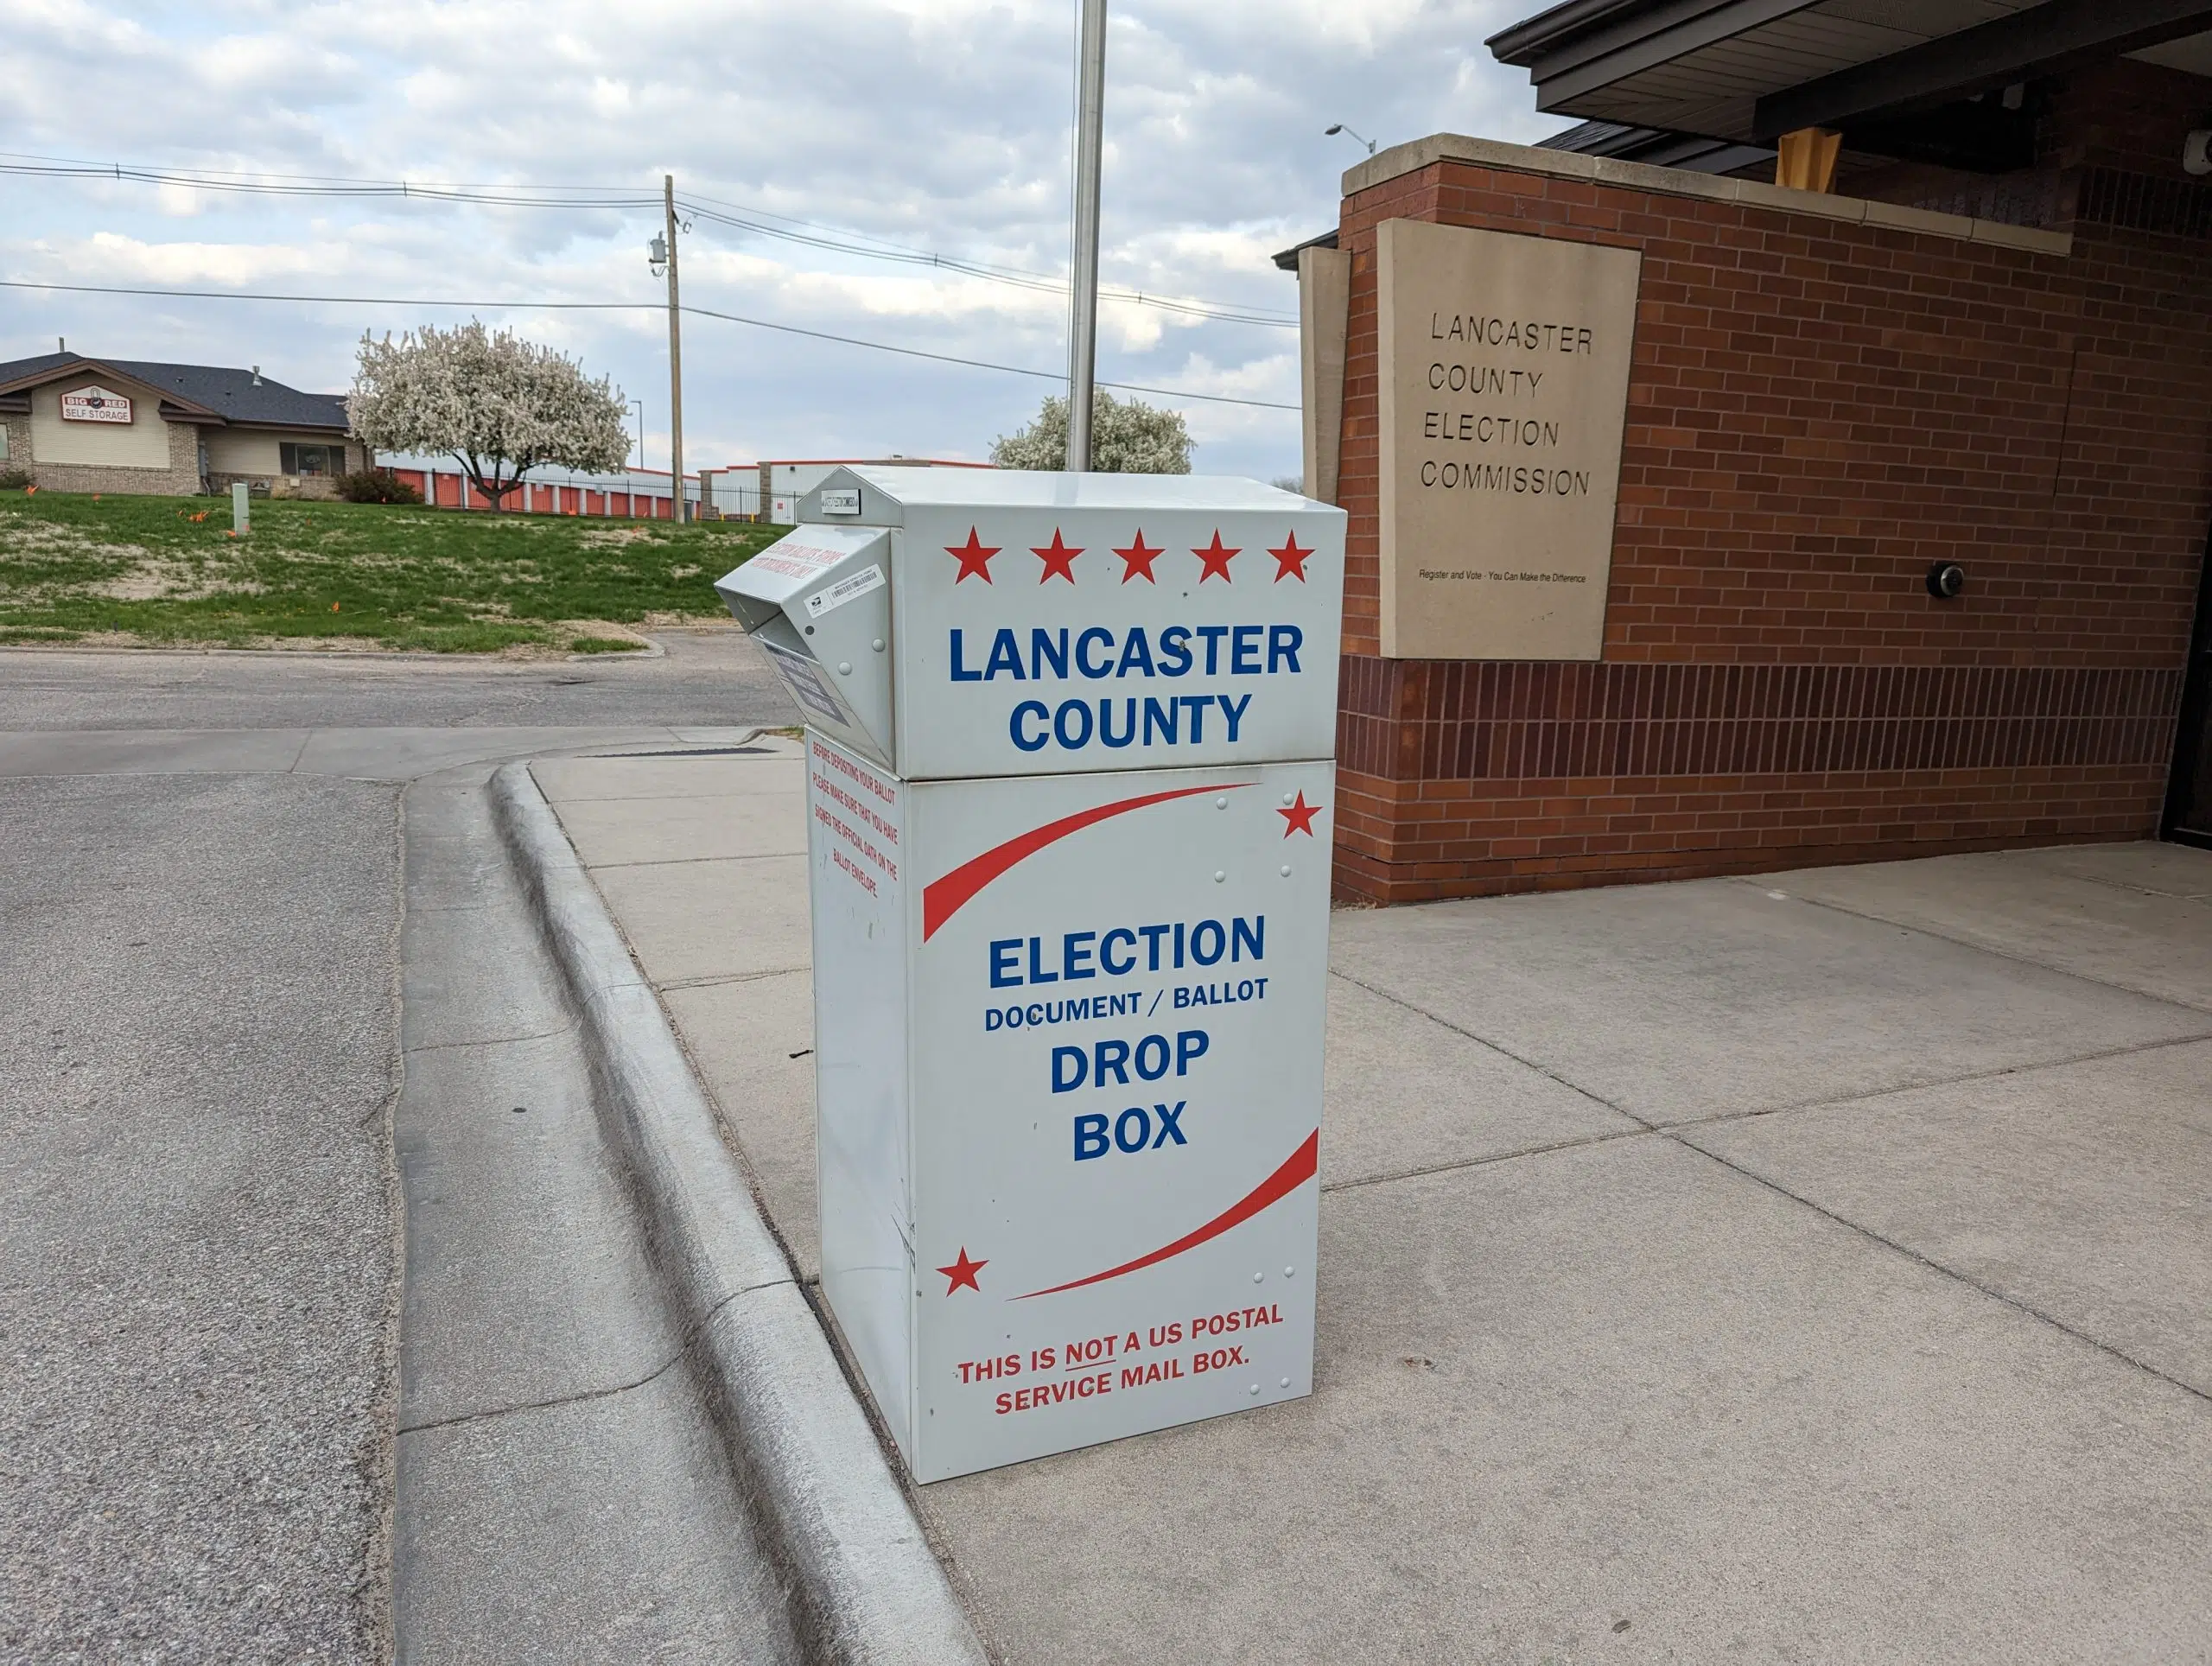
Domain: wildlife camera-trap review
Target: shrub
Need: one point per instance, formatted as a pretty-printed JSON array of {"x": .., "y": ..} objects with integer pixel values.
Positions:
[
  {"x": 14, "y": 480},
  {"x": 375, "y": 486}
]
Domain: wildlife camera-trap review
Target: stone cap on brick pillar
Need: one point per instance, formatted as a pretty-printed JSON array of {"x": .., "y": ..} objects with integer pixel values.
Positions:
[{"x": 1417, "y": 153}]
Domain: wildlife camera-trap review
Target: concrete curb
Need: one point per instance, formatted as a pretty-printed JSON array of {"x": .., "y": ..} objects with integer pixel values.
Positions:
[{"x": 866, "y": 1587}]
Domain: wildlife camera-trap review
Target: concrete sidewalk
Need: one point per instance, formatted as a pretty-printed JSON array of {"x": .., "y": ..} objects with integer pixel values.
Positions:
[{"x": 1816, "y": 1267}]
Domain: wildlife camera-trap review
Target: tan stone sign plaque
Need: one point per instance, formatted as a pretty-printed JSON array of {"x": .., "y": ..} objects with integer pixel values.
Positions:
[{"x": 1504, "y": 368}]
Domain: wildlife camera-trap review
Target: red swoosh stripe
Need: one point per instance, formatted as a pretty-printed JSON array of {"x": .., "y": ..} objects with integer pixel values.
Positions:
[
  {"x": 942, "y": 899},
  {"x": 1295, "y": 1172}
]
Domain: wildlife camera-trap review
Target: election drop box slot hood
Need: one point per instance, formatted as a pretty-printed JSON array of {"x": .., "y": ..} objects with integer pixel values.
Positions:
[
  {"x": 819, "y": 602},
  {"x": 956, "y": 623}
]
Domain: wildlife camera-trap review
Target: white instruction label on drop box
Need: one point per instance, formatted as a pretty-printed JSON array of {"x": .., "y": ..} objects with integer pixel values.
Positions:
[{"x": 844, "y": 590}]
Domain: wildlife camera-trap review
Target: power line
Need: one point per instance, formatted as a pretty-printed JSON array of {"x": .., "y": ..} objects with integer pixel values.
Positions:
[
  {"x": 1015, "y": 275},
  {"x": 627, "y": 306},
  {"x": 735, "y": 216},
  {"x": 282, "y": 186},
  {"x": 979, "y": 364}
]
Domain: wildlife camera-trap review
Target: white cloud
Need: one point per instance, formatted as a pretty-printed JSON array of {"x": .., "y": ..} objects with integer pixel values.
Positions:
[{"x": 940, "y": 124}]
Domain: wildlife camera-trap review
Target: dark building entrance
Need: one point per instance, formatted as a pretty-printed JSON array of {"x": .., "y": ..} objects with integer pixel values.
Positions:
[{"x": 2188, "y": 801}]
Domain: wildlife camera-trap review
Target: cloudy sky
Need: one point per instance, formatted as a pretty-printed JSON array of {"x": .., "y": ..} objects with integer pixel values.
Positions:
[{"x": 939, "y": 126}]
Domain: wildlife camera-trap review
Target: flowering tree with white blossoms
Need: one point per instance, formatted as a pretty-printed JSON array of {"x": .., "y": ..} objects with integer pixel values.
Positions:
[
  {"x": 499, "y": 405},
  {"x": 1127, "y": 437}
]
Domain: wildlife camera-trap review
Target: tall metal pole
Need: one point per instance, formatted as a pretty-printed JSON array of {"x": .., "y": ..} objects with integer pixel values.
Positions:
[
  {"x": 675, "y": 361},
  {"x": 1083, "y": 282}
]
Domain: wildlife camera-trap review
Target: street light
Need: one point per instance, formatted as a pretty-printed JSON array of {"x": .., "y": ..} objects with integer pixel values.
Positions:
[{"x": 1331, "y": 132}]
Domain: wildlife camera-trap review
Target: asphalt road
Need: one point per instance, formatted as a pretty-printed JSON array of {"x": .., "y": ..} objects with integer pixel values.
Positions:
[
  {"x": 200, "y": 974},
  {"x": 706, "y": 678},
  {"x": 196, "y": 1255}
]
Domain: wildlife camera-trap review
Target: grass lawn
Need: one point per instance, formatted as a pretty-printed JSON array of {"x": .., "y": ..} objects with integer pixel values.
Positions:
[{"x": 75, "y": 567}]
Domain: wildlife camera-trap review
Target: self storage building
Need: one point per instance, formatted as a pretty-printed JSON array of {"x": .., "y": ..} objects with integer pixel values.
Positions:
[
  {"x": 80, "y": 424},
  {"x": 1837, "y": 490}
]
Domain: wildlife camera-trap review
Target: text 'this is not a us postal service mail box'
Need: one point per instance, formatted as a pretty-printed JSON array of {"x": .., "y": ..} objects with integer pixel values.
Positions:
[{"x": 1070, "y": 792}]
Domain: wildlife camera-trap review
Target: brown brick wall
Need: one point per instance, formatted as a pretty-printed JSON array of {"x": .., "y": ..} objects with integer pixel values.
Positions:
[
  {"x": 1817, "y": 411},
  {"x": 319, "y": 486}
]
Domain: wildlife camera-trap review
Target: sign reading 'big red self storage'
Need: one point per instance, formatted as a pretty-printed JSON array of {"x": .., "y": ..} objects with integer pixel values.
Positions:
[{"x": 95, "y": 404}]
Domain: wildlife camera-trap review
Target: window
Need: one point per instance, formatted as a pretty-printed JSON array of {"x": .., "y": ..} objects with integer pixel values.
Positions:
[
  {"x": 4, "y": 442},
  {"x": 310, "y": 459}
]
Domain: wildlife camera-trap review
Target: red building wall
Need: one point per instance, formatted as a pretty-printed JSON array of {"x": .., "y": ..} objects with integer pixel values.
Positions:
[{"x": 1818, "y": 410}]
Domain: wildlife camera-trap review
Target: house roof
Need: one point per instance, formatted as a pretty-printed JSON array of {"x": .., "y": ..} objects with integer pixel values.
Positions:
[{"x": 212, "y": 390}]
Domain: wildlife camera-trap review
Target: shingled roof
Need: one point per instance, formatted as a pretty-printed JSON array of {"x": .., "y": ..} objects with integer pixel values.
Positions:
[{"x": 234, "y": 395}]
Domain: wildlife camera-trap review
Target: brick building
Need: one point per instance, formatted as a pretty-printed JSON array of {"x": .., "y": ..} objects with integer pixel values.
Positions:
[
  {"x": 80, "y": 424},
  {"x": 1977, "y": 333}
]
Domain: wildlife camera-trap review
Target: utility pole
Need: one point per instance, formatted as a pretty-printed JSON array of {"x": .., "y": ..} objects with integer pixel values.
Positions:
[
  {"x": 675, "y": 361},
  {"x": 1082, "y": 281}
]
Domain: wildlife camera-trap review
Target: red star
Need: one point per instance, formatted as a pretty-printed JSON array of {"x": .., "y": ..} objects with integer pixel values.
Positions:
[
  {"x": 1290, "y": 560},
  {"x": 1058, "y": 559},
  {"x": 1301, "y": 815},
  {"x": 973, "y": 559},
  {"x": 1139, "y": 557},
  {"x": 1213, "y": 560},
  {"x": 964, "y": 1271}
]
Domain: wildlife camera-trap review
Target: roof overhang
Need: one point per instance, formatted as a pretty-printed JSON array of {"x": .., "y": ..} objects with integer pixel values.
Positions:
[
  {"x": 301, "y": 427},
  {"x": 1746, "y": 70},
  {"x": 1287, "y": 258},
  {"x": 2045, "y": 40}
]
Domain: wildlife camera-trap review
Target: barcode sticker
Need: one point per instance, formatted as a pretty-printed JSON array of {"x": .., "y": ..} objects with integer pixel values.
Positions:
[{"x": 857, "y": 584}]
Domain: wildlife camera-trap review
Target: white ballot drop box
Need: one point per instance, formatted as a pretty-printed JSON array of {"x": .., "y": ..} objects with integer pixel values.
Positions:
[{"x": 1071, "y": 789}]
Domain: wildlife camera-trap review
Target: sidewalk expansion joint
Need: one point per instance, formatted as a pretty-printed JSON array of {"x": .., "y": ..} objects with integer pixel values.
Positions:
[
  {"x": 2146, "y": 890},
  {"x": 1544, "y": 1071},
  {"x": 2017, "y": 958},
  {"x": 1993, "y": 1074},
  {"x": 1677, "y": 1136},
  {"x": 1937, "y": 1267},
  {"x": 1495, "y": 1157}
]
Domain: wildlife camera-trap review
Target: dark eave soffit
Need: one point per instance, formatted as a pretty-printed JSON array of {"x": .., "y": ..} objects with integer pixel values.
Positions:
[
  {"x": 1523, "y": 42},
  {"x": 1576, "y": 49},
  {"x": 2040, "y": 41}
]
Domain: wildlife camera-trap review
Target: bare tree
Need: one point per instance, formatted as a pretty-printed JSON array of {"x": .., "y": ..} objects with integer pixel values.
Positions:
[{"x": 499, "y": 405}]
